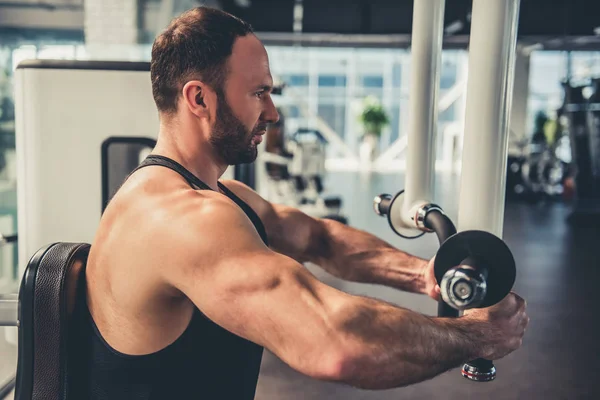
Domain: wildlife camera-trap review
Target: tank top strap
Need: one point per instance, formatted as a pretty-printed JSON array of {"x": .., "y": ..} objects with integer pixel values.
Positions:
[
  {"x": 155, "y": 159},
  {"x": 196, "y": 183}
]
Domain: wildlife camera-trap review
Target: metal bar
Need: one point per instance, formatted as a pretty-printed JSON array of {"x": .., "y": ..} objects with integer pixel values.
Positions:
[
  {"x": 452, "y": 95},
  {"x": 8, "y": 387},
  {"x": 426, "y": 53},
  {"x": 327, "y": 131},
  {"x": 275, "y": 158},
  {"x": 9, "y": 312},
  {"x": 488, "y": 104},
  {"x": 8, "y": 239},
  {"x": 394, "y": 150}
]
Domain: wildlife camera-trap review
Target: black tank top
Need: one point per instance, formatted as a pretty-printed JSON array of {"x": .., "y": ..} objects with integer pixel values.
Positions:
[{"x": 205, "y": 362}]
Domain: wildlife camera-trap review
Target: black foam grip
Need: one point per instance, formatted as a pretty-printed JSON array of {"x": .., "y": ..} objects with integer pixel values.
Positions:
[
  {"x": 440, "y": 224},
  {"x": 384, "y": 205}
]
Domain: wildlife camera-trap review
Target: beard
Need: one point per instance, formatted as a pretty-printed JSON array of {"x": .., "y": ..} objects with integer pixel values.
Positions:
[{"x": 230, "y": 138}]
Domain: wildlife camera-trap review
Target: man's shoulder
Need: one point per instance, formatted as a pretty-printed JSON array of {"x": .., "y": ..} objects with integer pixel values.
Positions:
[{"x": 206, "y": 216}]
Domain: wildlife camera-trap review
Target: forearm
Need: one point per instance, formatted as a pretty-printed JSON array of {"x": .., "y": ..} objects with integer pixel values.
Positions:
[
  {"x": 390, "y": 347},
  {"x": 355, "y": 255}
]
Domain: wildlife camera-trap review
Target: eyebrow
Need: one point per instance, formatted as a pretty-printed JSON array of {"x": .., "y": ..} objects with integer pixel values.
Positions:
[{"x": 266, "y": 88}]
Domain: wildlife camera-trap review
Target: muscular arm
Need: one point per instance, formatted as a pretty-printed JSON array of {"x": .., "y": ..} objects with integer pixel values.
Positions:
[
  {"x": 343, "y": 251},
  {"x": 270, "y": 299}
]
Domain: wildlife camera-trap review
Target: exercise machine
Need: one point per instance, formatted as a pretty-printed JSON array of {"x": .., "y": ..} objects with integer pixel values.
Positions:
[
  {"x": 473, "y": 266},
  {"x": 295, "y": 178},
  {"x": 583, "y": 116}
]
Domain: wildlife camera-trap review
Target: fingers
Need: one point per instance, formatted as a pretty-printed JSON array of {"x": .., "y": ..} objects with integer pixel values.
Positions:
[
  {"x": 521, "y": 303},
  {"x": 515, "y": 301},
  {"x": 524, "y": 323}
]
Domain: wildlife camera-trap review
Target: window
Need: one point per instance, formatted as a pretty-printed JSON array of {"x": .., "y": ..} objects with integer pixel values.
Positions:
[
  {"x": 332, "y": 80},
  {"x": 295, "y": 79},
  {"x": 372, "y": 81},
  {"x": 335, "y": 116}
]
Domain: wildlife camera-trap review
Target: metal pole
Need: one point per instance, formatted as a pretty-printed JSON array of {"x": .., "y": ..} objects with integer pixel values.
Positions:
[
  {"x": 489, "y": 95},
  {"x": 426, "y": 51}
]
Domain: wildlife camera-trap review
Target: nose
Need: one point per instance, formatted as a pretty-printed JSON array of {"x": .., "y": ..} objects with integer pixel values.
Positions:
[{"x": 270, "y": 114}]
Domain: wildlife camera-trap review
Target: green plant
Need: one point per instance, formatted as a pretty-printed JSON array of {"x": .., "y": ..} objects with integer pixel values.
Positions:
[{"x": 373, "y": 117}]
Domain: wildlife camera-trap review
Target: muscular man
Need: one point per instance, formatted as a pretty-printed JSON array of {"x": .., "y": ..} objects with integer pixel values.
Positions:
[{"x": 190, "y": 278}]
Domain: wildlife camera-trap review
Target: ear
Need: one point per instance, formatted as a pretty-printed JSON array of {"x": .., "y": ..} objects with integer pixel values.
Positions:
[{"x": 198, "y": 98}]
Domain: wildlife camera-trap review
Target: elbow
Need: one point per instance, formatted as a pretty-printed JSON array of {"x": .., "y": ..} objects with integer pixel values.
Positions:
[
  {"x": 352, "y": 371},
  {"x": 336, "y": 367},
  {"x": 363, "y": 374},
  {"x": 348, "y": 363}
]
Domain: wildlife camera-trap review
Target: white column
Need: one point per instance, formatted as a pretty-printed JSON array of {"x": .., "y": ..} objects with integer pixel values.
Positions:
[
  {"x": 489, "y": 95},
  {"x": 426, "y": 51},
  {"x": 518, "y": 112}
]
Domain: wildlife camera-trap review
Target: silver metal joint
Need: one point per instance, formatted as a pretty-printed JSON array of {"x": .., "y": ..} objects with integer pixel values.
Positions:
[
  {"x": 377, "y": 204},
  {"x": 463, "y": 288},
  {"x": 422, "y": 214},
  {"x": 476, "y": 374}
]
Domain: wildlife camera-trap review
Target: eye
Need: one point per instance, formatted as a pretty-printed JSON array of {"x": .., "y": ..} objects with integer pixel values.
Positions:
[{"x": 259, "y": 94}]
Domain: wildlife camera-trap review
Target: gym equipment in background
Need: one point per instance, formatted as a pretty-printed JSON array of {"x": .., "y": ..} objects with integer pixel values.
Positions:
[
  {"x": 539, "y": 169},
  {"x": 583, "y": 115},
  {"x": 296, "y": 178}
]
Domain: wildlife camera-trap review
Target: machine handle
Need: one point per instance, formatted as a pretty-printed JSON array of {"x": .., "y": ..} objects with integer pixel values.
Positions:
[
  {"x": 8, "y": 239},
  {"x": 468, "y": 284},
  {"x": 464, "y": 287}
]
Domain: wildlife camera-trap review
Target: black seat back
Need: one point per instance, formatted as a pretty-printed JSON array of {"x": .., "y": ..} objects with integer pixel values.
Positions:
[{"x": 54, "y": 279}]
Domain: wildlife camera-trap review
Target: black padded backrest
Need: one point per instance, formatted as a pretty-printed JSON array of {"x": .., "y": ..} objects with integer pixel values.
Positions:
[{"x": 53, "y": 280}]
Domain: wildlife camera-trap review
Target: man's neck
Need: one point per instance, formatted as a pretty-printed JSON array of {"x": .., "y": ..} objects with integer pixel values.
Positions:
[{"x": 195, "y": 157}]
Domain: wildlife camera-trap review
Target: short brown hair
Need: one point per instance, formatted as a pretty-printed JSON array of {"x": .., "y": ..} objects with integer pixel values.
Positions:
[{"x": 195, "y": 45}]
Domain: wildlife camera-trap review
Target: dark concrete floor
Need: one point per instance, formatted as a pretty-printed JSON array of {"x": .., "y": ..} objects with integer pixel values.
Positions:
[{"x": 557, "y": 273}]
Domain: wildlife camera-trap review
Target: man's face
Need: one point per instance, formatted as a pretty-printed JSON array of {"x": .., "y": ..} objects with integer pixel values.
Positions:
[
  {"x": 232, "y": 140},
  {"x": 244, "y": 105}
]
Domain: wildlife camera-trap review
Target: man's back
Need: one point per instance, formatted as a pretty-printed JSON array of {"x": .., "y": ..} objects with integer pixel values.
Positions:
[{"x": 147, "y": 339}]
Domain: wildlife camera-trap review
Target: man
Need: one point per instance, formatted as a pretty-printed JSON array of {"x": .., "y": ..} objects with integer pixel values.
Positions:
[{"x": 190, "y": 278}]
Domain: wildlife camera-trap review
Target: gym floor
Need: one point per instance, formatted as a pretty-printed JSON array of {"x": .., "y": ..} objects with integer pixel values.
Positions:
[{"x": 557, "y": 273}]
